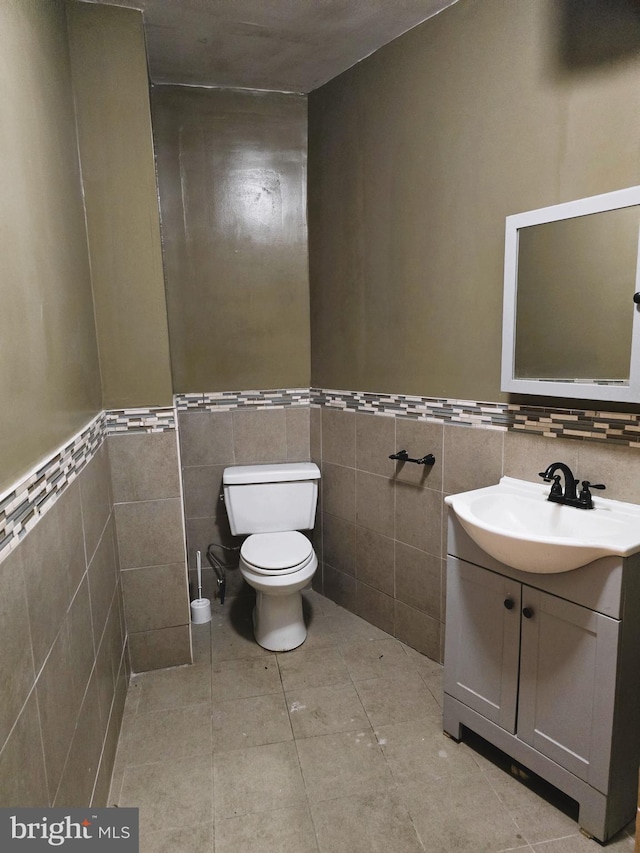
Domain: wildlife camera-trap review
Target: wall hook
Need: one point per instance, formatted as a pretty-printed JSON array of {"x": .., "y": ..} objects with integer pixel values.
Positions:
[{"x": 403, "y": 456}]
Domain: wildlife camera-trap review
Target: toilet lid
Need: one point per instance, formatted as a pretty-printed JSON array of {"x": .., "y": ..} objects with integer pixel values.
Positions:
[{"x": 276, "y": 551}]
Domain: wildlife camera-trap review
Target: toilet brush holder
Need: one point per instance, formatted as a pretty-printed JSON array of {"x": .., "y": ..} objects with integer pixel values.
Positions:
[
  {"x": 200, "y": 607},
  {"x": 200, "y": 611}
]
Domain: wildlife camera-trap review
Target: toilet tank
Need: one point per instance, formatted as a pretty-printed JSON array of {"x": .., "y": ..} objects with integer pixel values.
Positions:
[{"x": 271, "y": 498}]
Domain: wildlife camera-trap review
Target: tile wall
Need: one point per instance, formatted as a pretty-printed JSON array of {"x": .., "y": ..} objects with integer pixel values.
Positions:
[
  {"x": 63, "y": 667},
  {"x": 381, "y": 530},
  {"x": 231, "y": 432},
  {"x": 147, "y": 499},
  {"x": 383, "y": 524},
  {"x": 92, "y": 544},
  {"x": 91, "y": 549}
]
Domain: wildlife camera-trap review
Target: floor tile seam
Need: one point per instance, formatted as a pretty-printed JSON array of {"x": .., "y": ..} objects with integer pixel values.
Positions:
[
  {"x": 139, "y": 677},
  {"x": 367, "y": 714},
  {"x": 434, "y": 778},
  {"x": 242, "y": 697},
  {"x": 303, "y": 804},
  {"x": 398, "y": 677},
  {"x": 513, "y": 819},
  {"x": 244, "y": 657},
  {"x": 413, "y": 824},
  {"x": 171, "y": 708},
  {"x": 305, "y": 685},
  {"x": 349, "y": 641},
  {"x": 333, "y": 735},
  {"x": 286, "y": 704},
  {"x": 387, "y": 762},
  {"x": 385, "y": 792},
  {"x": 375, "y": 742},
  {"x": 182, "y": 827},
  {"x": 401, "y": 721},
  {"x": 314, "y": 826},
  {"x": 217, "y": 700},
  {"x": 434, "y": 671},
  {"x": 400, "y": 787},
  {"x": 305, "y": 782},
  {"x": 157, "y": 706},
  {"x": 337, "y": 731},
  {"x": 281, "y": 679},
  {"x": 436, "y": 699},
  {"x": 202, "y": 671},
  {"x": 224, "y": 818},
  {"x": 217, "y": 751},
  {"x": 396, "y": 673},
  {"x": 346, "y": 731},
  {"x": 168, "y": 761},
  {"x": 502, "y": 803},
  {"x": 372, "y": 792},
  {"x": 213, "y": 795},
  {"x": 576, "y": 834},
  {"x": 192, "y": 753},
  {"x": 253, "y": 654},
  {"x": 339, "y": 684}
]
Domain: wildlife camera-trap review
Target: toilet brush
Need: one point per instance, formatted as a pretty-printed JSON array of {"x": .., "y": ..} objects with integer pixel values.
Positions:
[{"x": 200, "y": 607}]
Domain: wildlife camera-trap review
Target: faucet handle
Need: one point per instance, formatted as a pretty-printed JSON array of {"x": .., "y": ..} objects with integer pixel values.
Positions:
[
  {"x": 587, "y": 485},
  {"x": 585, "y": 495}
]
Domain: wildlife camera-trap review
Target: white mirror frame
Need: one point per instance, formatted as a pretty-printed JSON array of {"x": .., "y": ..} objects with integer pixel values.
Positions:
[{"x": 627, "y": 392}]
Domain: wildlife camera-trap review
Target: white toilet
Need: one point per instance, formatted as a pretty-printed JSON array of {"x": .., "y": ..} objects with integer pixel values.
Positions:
[{"x": 272, "y": 503}]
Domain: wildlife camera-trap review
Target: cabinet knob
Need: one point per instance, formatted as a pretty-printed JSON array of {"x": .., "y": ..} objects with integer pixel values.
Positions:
[
  {"x": 508, "y": 603},
  {"x": 527, "y": 612}
]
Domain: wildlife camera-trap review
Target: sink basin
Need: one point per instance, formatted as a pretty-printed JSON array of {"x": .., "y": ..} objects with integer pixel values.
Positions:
[{"x": 516, "y": 524}]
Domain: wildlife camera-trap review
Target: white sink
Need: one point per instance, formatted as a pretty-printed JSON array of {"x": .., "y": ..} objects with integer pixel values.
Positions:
[{"x": 516, "y": 524}]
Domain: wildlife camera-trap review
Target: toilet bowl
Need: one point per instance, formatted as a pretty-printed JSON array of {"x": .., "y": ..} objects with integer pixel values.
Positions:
[
  {"x": 278, "y": 566},
  {"x": 273, "y": 503}
]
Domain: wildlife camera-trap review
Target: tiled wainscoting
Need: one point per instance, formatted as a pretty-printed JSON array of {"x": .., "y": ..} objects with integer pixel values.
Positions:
[
  {"x": 63, "y": 667},
  {"x": 92, "y": 543},
  {"x": 83, "y": 563},
  {"x": 381, "y": 529},
  {"x": 147, "y": 499},
  {"x": 383, "y": 524},
  {"x": 232, "y": 429}
]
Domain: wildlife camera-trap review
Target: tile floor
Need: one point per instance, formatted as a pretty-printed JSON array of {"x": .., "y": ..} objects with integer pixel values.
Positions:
[{"x": 336, "y": 746}]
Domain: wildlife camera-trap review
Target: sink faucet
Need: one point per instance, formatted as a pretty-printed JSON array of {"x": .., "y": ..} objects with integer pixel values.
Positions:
[{"x": 569, "y": 496}]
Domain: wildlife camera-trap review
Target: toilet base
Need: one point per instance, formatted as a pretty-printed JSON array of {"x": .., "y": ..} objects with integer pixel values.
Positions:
[{"x": 278, "y": 621}]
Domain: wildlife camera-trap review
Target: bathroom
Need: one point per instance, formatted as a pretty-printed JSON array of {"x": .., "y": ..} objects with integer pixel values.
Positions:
[{"x": 378, "y": 330}]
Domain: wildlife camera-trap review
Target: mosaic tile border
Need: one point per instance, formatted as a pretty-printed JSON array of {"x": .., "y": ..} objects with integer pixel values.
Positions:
[
  {"x": 611, "y": 427},
  {"x": 225, "y": 401},
  {"x": 487, "y": 415},
  {"x": 24, "y": 505},
  {"x": 153, "y": 419}
]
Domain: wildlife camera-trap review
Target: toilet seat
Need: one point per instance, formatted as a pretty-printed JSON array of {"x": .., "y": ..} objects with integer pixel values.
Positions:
[{"x": 277, "y": 553}]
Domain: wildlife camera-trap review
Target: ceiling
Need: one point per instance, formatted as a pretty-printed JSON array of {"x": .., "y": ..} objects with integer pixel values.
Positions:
[{"x": 279, "y": 45}]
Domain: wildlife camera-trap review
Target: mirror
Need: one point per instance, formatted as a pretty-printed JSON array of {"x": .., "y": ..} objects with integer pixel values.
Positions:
[{"x": 571, "y": 326}]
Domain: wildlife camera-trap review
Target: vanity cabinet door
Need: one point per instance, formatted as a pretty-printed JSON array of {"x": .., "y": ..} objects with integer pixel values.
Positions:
[
  {"x": 567, "y": 684},
  {"x": 482, "y": 642}
]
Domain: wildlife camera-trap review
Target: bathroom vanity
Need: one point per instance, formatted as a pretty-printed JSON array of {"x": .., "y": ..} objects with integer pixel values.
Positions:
[{"x": 546, "y": 666}]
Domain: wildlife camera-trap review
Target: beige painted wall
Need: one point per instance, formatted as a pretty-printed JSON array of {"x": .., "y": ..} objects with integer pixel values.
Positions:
[
  {"x": 418, "y": 154},
  {"x": 232, "y": 177},
  {"x": 49, "y": 374},
  {"x": 116, "y": 150}
]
